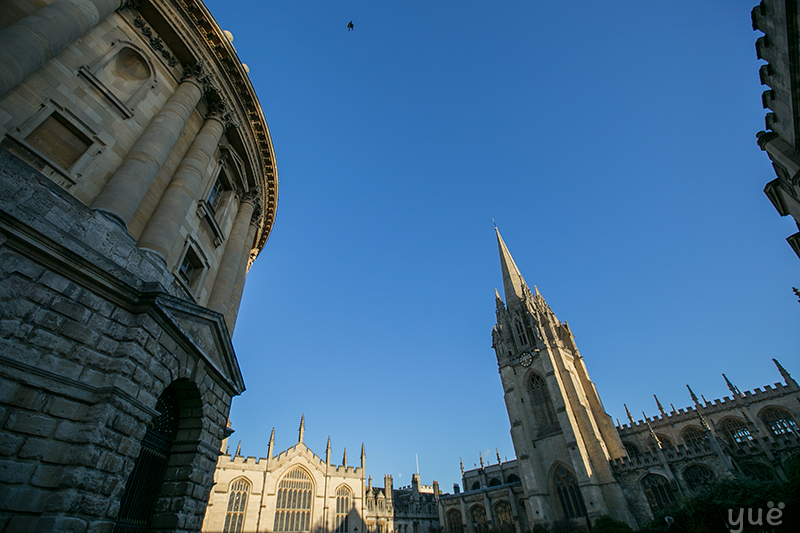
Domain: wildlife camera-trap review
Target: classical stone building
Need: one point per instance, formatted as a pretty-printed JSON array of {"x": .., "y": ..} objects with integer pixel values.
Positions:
[
  {"x": 573, "y": 462},
  {"x": 779, "y": 20},
  {"x": 298, "y": 491},
  {"x": 137, "y": 186}
]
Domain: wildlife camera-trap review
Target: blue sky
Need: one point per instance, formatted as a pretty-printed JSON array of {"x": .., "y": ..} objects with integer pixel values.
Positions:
[{"x": 612, "y": 142}]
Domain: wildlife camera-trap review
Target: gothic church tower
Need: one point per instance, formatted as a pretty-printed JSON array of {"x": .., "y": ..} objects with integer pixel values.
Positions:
[{"x": 563, "y": 438}]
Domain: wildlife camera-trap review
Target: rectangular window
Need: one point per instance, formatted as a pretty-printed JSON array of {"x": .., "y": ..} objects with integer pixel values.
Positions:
[
  {"x": 59, "y": 140},
  {"x": 190, "y": 268}
]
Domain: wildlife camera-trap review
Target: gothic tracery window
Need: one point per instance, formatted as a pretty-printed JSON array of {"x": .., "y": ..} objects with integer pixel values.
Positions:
[
  {"x": 696, "y": 476},
  {"x": 454, "y": 523},
  {"x": 237, "y": 502},
  {"x": 658, "y": 492},
  {"x": 343, "y": 503},
  {"x": 735, "y": 431},
  {"x": 541, "y": 403},
  {"x": 521, "y": 335},
  {"x": 779, "y": 421},
  {"x": 293, "y": 510},
  {"x": 478, "y": 513},
  {"x": 695, "y": 436},
  {"x": 569, "y": 495},
  {"x": 504, "y": 516}
]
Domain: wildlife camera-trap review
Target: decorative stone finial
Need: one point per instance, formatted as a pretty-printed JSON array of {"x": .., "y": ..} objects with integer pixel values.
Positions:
[
  {"x": 462, "y": 465},
  {"x": 652, "y": 433},
  {"x": 480, "y": 457},
  {"x": 630, "y": 416},
  {"x": 733, "y": 388},
  {"x": 498, "y": 455},
  {"x": 302, "y": 428},
  {"x": 344, "y": 458},
  {"x": 694, "y": 398},
  {"x": 660, "y": 407}
]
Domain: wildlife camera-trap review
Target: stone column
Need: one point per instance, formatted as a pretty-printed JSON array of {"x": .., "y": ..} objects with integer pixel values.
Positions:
[
  {"x": 162, "y": 230},
  {"x": 127, "y": 187},
  {"x": 241, "y": 274},
  {"x": 30, "y": 42},
  {"x": 231, "y": 258}
]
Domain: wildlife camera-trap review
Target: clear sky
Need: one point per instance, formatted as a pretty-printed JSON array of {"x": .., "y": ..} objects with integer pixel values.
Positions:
[{"x": 613, "y": 143}]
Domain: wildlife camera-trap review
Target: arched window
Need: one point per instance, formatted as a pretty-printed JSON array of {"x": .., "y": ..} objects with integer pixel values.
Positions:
[
  {"x": 522, "y": 337},
  {"x": 697, "y": 475},
  {"x": 758, "y": 471},
  {"x": 735, "y": 431},
  {"x": 494, "y": 482},
  {"x": 666, "y": 443},
  {"x": 343, "y": 505},
  {"x": 657, "y": 490},
  {"x": 513, "y": 478},
  {"x": 569, "y": 495},
  {"x": 144, "y": 483},
  {"x": 631, "y": 449},
  {"x": 478, "y": 514},
  {"x": 454, "y": 523},
  {"x": 476, "y": 485},
  {"x": 293, "y": 510},
  {"x": 237, "y": 502},
  {"x": 504, "y": 516},
  {"x": 779, "y": 421},
  {"x": 695, "y": 436},
  {"x": 541, "y": 403}
]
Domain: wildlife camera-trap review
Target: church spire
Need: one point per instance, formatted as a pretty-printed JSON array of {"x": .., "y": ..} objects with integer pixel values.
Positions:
[
  {"x": 363, "y": 456},
  {"x": 513, "y": 282},
  {"x": 660, "y": 407},
  {"x": 733, "y": 388},
  {"x": 328, "y": 451},
  {"x": 630, "y": 416},
  {"x": 344, "y": 458},
  {"x": 302, "y": 428}
]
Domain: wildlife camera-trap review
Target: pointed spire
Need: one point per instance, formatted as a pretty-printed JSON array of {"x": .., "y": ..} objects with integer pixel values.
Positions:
[
  {"x": 481, "y": 458},
  {"x": 513, "y": 282},
  {"x": 344, "y": 458},
  {"x": 271, "y": 444},
  {"x": 498, "y": 455},
  {"x": 694, "y": 397},
  {"x": 630, "y": 416},
  {"x": 363, "y": 456},
  {"x": 733, "y": 388},
  {"x": 302, "y": 428},
  {"x": 462, "y": 465},
  {"x": 787, "y": 378},
  {"x": 673, "y": 407},
  {"x": 660, "y": 407},
  {"x": 238, "y": 449},
  {"x": 328, "y": 451}
]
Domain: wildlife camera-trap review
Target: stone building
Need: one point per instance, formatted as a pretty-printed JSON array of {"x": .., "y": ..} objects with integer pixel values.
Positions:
[
  {"x": 137, "y": 186},
  {"x": 779, "y": 20},
  {"x": 571, "y": 460},
  {"x": 298, "y": 491}
]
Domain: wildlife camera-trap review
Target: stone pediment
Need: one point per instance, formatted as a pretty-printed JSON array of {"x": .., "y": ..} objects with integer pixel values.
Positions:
[{"x": 205, "y": 330}]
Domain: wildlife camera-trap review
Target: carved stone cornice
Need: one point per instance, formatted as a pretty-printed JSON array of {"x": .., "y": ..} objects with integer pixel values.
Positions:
[{"x": 154, "y": 40}]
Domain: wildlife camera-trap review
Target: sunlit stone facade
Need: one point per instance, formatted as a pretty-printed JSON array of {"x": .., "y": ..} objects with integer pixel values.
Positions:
[
  {"x": 298, "y": 491},
  {"x": 137, "y": 186}
]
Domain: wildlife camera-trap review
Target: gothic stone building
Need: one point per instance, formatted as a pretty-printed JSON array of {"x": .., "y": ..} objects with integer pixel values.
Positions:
[
  {"x": 573, "y": 462},
  {"x": 779, "y": 20},
  {"x": 298, "y": 491},
  {"x": 137, "y": 186}
]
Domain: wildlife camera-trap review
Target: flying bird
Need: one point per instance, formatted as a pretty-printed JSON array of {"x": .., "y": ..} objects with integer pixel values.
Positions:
[{"x": 350, "y": 25}]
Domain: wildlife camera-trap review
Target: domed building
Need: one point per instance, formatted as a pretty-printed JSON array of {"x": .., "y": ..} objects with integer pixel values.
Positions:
[{"x": 137, "y": 186}]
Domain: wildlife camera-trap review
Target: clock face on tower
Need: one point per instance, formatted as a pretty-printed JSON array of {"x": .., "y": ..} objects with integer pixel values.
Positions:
[{"x": 525, "y": 359}]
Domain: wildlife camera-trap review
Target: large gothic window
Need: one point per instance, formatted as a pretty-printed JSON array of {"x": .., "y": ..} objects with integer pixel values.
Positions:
[
  {"x": 343, "y": 504},
  {"x": 695, "y": 436},
  {"x": 479, "y": 521},
  {"x": 779, "y": 421},
  {"x": 696, "y": 476},
  {"x": 658, "y": 492},
  {"x": 569, "y": 495},
  {"x": 144, "y": 483},
  {"x": 541, "y": 403},
  {"x": 237, "y": 502},
  {"x": 735, "y": 431},
  {"x": 504, "y": 516},
  {"x": 758, "y": 471},
  {"x": 454, "y": 523},
  {"x": 293, "y": 510}
]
